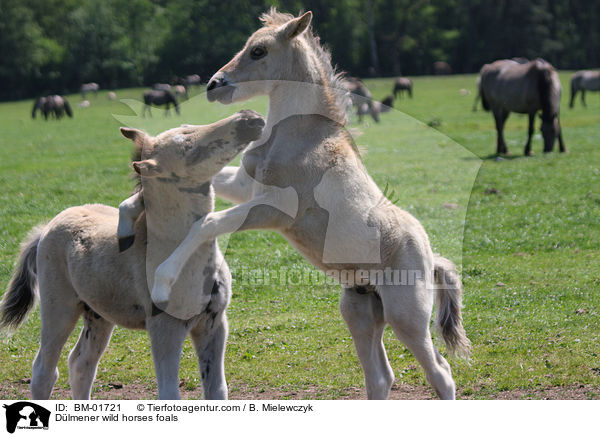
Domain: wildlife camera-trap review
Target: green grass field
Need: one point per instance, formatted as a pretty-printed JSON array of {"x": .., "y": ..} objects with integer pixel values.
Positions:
[{"x": 529, "y": 251}]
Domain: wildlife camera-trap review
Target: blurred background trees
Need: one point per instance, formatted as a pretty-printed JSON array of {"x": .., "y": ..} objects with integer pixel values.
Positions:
[{"x": 52, "y": 46}]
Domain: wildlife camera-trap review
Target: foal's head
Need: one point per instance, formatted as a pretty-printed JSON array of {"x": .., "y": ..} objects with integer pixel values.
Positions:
[
  {"x": 190, "y": 154},
  {"x": 280, "y": 50}
]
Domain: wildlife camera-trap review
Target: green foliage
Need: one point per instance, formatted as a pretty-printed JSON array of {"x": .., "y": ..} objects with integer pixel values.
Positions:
[{"x": 55, "y": 45}]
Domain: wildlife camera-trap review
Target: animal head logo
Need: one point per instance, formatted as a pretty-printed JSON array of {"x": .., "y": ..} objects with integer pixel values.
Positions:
[{"x": 26, "y": 415}]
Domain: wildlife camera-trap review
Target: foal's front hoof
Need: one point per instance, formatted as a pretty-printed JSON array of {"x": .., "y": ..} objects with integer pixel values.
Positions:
[{"x": 161, "y": 290}]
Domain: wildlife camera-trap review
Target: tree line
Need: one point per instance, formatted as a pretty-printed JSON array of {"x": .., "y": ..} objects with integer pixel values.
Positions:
[{"x": 52, "y": 46}]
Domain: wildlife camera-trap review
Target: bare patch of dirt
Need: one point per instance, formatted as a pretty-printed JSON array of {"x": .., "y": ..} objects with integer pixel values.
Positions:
[{"x": 135, "y": 391}]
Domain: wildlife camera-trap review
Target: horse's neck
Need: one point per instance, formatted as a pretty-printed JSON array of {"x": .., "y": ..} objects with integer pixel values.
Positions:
[
  {"x": 289, "y": 98},
  {"x": 170, "y": 212}
]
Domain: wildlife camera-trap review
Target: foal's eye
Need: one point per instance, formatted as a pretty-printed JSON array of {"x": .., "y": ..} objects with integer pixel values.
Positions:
[{"x": 258, "y": 52}]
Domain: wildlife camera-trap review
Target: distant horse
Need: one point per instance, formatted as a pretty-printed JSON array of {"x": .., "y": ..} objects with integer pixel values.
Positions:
[
  {"x": 52, "y": 105},
  {"x": 507, "y": 86},
  {"x": 441, "y": 68},
  {"x": 361, "y": 98},
  {"x": 89, "y": 87},
  {"x": 584, "y": 80},
  {"x": 161, "y": 87},
  {"x": 180, "y": 91},
  {"x": 402, "y": 84},
  {"x": 158, "y": 98},
  {"x": 192, "y": 79}
]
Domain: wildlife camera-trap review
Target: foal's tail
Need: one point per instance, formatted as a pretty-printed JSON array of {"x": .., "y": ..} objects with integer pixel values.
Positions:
[
  {"x": 449, "y": 303},
  {"x": 22, "y": 288}
]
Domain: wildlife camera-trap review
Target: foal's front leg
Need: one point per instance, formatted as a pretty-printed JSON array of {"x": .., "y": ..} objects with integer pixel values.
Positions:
[
  {"x": 283, "y": 205},
  {"x": 233, "y": 184},
  {"x": 166, "y": 336}
]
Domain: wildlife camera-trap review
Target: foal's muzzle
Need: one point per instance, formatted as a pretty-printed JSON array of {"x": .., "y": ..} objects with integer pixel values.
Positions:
[{"x": 219, "y": 88}]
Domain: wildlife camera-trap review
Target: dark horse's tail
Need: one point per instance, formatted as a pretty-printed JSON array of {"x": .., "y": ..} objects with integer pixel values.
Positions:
[
  {"x": 22, "y": 288},
  {"x": 484, "y": 103},
  {"x": 549, "y": 94},
  {"x": 68, "y": 108}
]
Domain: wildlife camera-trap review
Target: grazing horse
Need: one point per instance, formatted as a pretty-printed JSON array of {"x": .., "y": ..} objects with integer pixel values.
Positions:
[
  {"x": 180, "y": 91},
  {"x": 582, "y": 81},
  {"x": 305, "y": 171},
  {"x": 507, "y": 86},
  {"x": 361, "y": 98},
  {"x": 161, "y": 87},
  {"x": 52, "y": 105},
  {"x": 89, "y": 87},
  {"x": 402, "y": 84},
  {"x": 191, "y": 80},
  {"x": 441, "y": 68},
  {"x": 158, "y": 98},
  {"x": 75, "y": 266}
]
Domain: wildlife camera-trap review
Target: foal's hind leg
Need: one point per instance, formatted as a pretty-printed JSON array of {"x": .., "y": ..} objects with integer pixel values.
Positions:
[
  {"x": 408, "y": 310},
  {"x": 60, "y": 310},
  {"x": 363, "y": 314},
  {"x": 83, "y": 360},
  {"x": 209, "y": 341}
]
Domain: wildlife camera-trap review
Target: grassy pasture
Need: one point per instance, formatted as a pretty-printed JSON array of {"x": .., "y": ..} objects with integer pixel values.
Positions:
[{"x": 529, "y": 250}]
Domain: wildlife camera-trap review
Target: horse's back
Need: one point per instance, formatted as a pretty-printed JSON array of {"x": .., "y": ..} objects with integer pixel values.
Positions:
[
  {"x": 79, "y": 250},
  {"x": 513, "y": 86}
]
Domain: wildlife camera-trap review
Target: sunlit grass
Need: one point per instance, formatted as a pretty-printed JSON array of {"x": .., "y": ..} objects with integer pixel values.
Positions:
[{"x": 529, "y": 255}]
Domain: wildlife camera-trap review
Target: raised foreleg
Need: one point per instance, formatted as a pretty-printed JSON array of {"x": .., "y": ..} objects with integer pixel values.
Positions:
[
  {"x": 129, "y": 211},
  {"x": 273, "y": 209},
  {"x": 233, "y": 184}
]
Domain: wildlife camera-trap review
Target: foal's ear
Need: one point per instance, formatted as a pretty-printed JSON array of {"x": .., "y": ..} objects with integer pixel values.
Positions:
[
  {"x": 133, "y": 134},
  {"x": 137, "y": 136},
  {"x": 295, "y": 27},
  {"x": 147, "y": 168}
]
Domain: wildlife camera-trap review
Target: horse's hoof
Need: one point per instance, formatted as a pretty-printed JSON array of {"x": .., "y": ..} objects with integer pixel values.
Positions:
[
  {"x": 125, "y": 243},
  {"x": 529, "y": 153}
]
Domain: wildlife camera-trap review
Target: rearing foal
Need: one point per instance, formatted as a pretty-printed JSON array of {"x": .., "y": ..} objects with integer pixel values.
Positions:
[{"x": 305, "y": 179}]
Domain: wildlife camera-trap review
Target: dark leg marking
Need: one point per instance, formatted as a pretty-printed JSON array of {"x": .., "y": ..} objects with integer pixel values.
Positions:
[
  {"x": 125, "y": 243},
  {"x": 156, "y": 310}
]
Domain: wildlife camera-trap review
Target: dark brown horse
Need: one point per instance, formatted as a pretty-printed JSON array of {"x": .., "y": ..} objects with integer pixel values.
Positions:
[
  {"x": 52, "y": 105},
  {"x": 192, "y": 79},
  {"x": 507, "y": 86},
  {"x": 582, "y": 81},
  {"x": 441, "y": 68},
  {"x": 402, "y": 84},
  {"x": 159, "y": 98}
]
